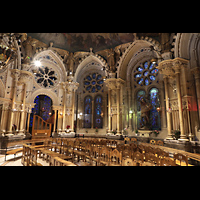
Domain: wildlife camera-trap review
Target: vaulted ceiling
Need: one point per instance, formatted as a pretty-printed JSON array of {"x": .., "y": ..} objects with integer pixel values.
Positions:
[{"x": 74, "y": 42}]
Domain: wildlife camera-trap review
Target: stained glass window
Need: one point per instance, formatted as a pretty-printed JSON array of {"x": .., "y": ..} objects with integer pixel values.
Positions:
[
  {"x": 154, "y": 114},
  {"x": 46, "y": 77},
  {"x": 98, "y": 120},
  {"x": 93, "y": 83},
  {"x": 88, "y": 112},
  {"x": 42, "y": 108},
  {"x": 146, "y": 73}
]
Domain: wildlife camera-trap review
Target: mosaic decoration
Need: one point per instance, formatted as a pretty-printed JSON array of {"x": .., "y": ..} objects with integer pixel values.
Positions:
[
  {"x": 46, "y": 77},
  {"x": 146, "y": 73}
]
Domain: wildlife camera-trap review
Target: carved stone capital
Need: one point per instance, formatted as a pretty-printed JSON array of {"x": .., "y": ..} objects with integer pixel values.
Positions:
[
  {"x": 196, "y": 72},
  {"x": 172, "y": 66},
  {"x": 70, "y": 86},
  {"x": 15, "y": 74},
  {"x": 24, "y": 77}
]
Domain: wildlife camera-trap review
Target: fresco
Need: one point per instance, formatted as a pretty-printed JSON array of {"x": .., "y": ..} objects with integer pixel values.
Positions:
[{"x": 84, "y": 41}]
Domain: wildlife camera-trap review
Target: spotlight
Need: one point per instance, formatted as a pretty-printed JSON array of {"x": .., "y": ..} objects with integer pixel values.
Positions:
[{"x": 37, "y": 63}]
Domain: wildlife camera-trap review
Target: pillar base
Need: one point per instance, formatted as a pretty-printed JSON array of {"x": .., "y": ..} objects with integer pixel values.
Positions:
[
  {"x": 169, "y": 137},
  {"x": 183, "y": 138},
  {"x": 191, "y": 136}
]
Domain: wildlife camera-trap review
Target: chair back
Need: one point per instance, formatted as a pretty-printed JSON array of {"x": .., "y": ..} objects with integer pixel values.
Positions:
[{"x": 128, "y": 162}]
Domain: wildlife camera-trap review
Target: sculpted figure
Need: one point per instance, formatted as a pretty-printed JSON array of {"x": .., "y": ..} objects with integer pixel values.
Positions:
[{"x": 145, "y": 108}]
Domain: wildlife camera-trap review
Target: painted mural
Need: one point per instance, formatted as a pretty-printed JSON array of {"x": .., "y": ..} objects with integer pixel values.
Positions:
[{"x": 84, "y": 41}]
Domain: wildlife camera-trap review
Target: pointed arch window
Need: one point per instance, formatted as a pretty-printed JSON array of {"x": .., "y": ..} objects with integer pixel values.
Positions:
[
  {"x": 154, "y": 114},
  {"x": 88, "y": 111},
  {"x": 98, "y": 120}
]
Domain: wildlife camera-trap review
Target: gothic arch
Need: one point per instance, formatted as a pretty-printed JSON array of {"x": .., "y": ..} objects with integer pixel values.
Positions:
[
  {"x": 54, "y": 59},
  {"x": 49, "y": 93},
  {"x": 187, "y": 47},
  {"x": 132, "y": 52},
  {"x": 85, "y": 65}
]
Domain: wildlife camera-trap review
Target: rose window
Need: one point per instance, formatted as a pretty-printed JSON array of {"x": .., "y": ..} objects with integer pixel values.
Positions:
[
  {"x": 146, "y": 73},
  {"x": 93, "y": 83},
  {"x": 46, "y": 77}
]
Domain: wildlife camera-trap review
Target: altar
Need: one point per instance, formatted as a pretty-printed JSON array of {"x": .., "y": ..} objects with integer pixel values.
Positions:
[{"x": 144, "y": 133}]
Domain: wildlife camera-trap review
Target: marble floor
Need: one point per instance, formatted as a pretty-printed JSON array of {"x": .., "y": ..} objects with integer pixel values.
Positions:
[{"x": 11, "y": 161}]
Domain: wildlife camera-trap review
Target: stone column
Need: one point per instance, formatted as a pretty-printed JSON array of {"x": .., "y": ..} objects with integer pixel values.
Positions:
[
  {"x": 182, "y": 136},
  {"x": 196, "y": 72},
  {"x": 130, "y": 115},
  {"x": 169, "y": 125},
  {"x": 55, "y": 118},
  {"x": 64, "y": 106},
  {"x": 24, "y": 77},
  {"x": 22, "y": 121},
  {"x": 118, "y": 109},
  {"x": 71, "y": 88},
  {"x": 73, "y": 107},
  {"x": 15, "y": 75},
  {"x": 28, "y": 121},
  {"x": 109, "y": 110},
  {"x": 178, "y": 63},
  {"x": 2, "y": 118}
]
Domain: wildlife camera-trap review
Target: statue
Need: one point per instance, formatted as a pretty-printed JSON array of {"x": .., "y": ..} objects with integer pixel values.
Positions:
[{"x": 145, "y": 111}]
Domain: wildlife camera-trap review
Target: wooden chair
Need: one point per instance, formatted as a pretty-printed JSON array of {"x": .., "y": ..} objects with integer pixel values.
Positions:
[
  {"x": 160, "y": 153},
  {"x": 126, "y": 140},
  {"x": 70, "y": 149},
  {"x": 115, "y": 158},
  {"x": 133, "y": 146},
  {"x": 138, "y": 157},
  {"x": 151, "y": 158},
  {"x": 127, "y": 152},
  {"x": 94, "y": 156},
  {"x": 180, "y": 159},
  {"x": 160, "y": 143},
  {"x": 25, "y": 155},
  {"x": 134, "y": 140},
  {"x": 128, "y": 162},
  {"x": 104, "y": 155},
  {"x": 153, "y": 142},
  {"x": 33, "y": 157},
  {"x": 88, "y": 153},
  {"x": 167, "y": 161},
  {"x": 141, "y": 148}
]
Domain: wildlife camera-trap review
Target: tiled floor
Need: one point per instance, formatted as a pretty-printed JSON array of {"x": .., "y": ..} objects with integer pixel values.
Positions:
[{"x": 10, "y": 160}]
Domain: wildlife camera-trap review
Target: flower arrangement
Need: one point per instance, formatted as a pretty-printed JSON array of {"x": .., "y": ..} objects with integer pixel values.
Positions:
[
  {"x": 156, "y": 132},
  {"x": 114, "y": 132},
  {"x": 68, "y": 126},
  {"x": 96, "y": 130},
  {"x": 176, "y": 134},
  {"x": 86, "y": 131}
]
